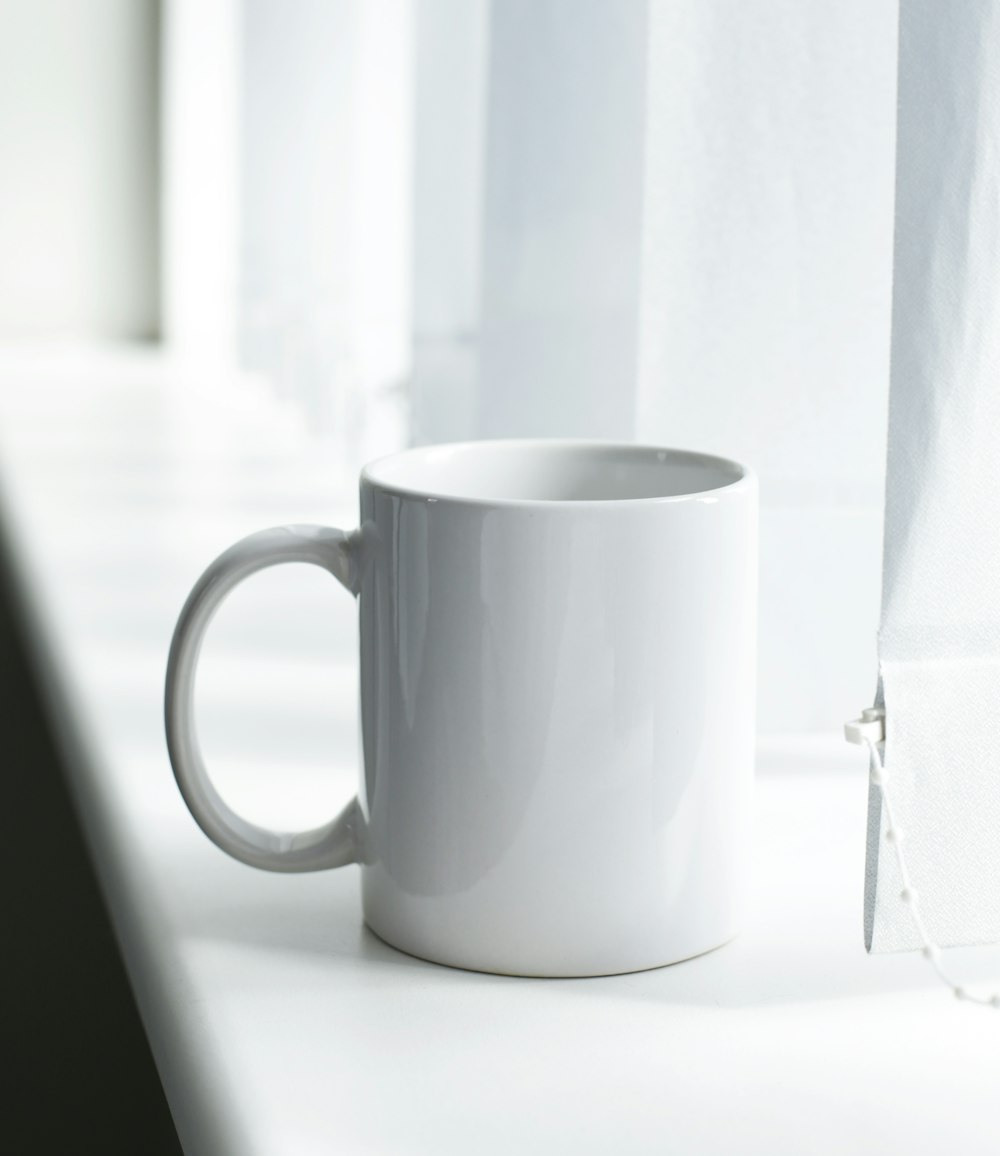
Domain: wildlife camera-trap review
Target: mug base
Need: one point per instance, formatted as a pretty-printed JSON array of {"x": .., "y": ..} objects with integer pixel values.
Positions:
[{"x": 528, "y": 972}]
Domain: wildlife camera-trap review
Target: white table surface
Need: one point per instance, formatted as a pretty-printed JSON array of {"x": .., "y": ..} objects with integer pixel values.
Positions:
[{"x": 279, "y": 1024}]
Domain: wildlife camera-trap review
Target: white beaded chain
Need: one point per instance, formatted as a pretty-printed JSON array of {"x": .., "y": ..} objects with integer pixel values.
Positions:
[{"x": 909, "y": 895}]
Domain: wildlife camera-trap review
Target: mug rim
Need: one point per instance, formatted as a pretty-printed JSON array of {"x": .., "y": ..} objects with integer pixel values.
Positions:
[{"x": 743, "y": 477}]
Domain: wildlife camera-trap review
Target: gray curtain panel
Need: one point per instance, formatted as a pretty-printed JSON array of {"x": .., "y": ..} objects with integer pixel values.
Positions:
[{"x": 939, "y": 640}]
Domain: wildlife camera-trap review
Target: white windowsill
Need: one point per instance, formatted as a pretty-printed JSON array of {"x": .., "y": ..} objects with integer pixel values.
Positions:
[{"x": 278, "y": 1023}]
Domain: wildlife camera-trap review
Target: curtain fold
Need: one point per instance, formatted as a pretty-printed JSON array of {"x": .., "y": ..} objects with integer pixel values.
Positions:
[{"x": 939, "y": 639}]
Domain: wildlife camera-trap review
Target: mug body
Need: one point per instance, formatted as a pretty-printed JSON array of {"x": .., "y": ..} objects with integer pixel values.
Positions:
[{"x": 557, "y": 704}]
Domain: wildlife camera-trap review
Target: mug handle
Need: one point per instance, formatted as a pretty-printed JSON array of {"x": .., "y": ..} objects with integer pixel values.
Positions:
[{"x": 335, "y": 843}]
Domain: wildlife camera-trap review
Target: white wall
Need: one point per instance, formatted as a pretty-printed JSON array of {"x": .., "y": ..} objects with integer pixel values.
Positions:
[{"x": 78, "y": 168}]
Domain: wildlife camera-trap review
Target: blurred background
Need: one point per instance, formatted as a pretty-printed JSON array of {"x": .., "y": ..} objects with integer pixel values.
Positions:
[
  {"x": 423, "y": 220},
  {"x": 338, "y": 227}
]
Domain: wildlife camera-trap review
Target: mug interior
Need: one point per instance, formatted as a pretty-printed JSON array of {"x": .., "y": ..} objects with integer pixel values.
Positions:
[{"x": 551, "y": 471}]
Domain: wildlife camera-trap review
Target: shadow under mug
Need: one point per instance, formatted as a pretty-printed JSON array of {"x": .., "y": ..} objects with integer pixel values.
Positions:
[{"x": 557, "y": 648}]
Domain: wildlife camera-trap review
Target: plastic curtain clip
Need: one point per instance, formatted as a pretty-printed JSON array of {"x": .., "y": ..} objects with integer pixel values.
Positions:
[{"x": 869, "y": 731}]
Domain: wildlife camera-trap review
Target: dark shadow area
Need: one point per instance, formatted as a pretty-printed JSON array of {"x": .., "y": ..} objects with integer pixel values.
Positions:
[{"x": 79, "y": 1076}]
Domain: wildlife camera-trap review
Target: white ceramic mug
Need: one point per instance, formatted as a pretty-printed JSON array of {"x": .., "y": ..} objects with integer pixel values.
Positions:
[{"x": 557, "y": 703}]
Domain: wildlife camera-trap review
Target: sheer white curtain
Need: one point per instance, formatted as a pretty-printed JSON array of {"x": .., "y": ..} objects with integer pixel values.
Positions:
[
  {"x": 78, "y": 196},
  {"x": 668, "y": 220},
  {"x": 673, "y": 222},
  {"x": 288, "y": 203},
  {"x": 939, "y": 641}
]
